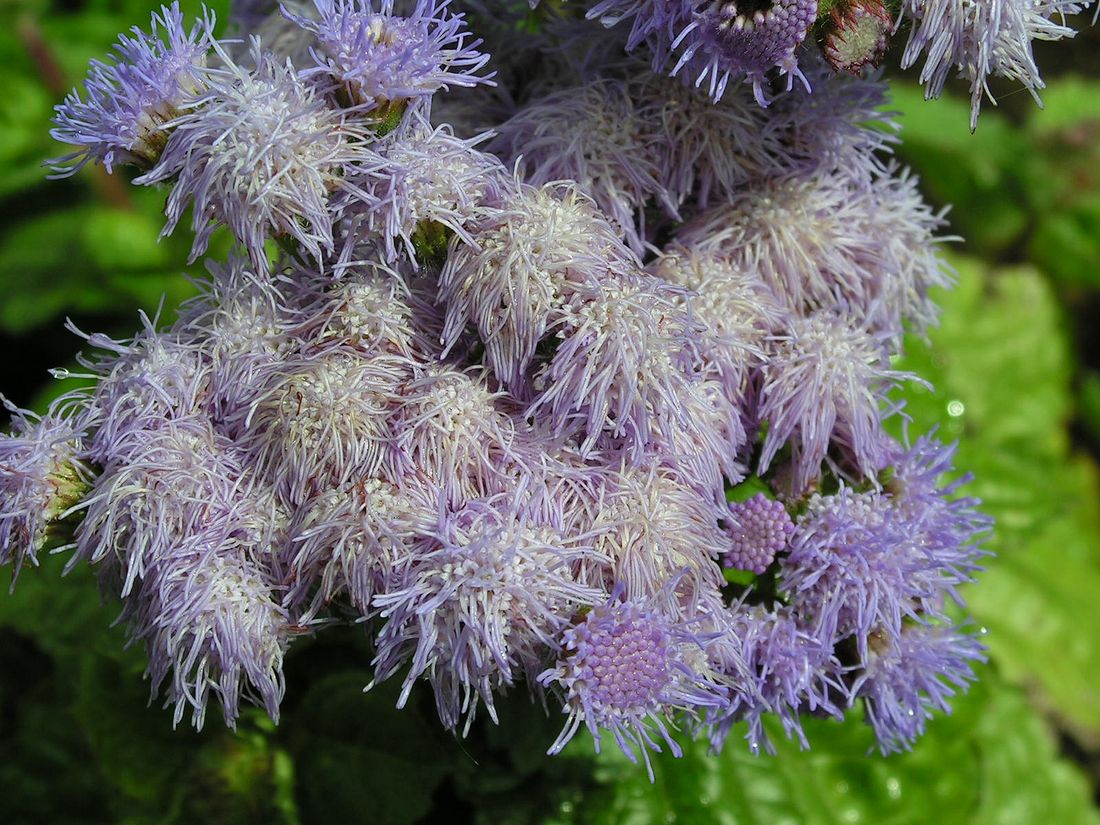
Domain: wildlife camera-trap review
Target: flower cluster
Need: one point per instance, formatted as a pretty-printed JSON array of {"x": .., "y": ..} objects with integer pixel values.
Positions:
[{"x": 491, "y": 400}]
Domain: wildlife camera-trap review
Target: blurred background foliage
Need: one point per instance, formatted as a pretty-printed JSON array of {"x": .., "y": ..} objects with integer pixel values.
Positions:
[{"x": 1016, "y": 368}]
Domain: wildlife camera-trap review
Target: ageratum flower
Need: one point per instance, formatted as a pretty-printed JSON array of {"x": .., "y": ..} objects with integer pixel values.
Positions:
[
  {"x": 842, "y": 127},
  {"x": 594, "y": 135},
  {"x": 162, "y": 487},
  {"x": 261, "y": 153},
  {"x": 318, "y": 423},
  {"x": 528, "y": 258},
  {"x": 828, "y": 239},
  {"x": 42, "y": 475},
  {"x": 859, "y": 565},
  {"x": 142, "y": 384},
  {"x": 727, "y": 38},
  {"x": 703, "y": 150},
  {"x": 948, "y": 522},
  {"x": 981, "y": 40},
  {"x": 420, "y": 174},
  {"x": 451, "y": 427},
  {"x": 647, "y": 527},
  {"x": 908, "y": 675},
  {"x": 759, "y": 529},
  {"x": 622, "y": 366},
  {"x": 210, "y": 621},
  {"x": 738, "y": 310},
  {"x": 376, "y": 56},
  {"x": 626, "y": 667},
  {"x": 371, "y": 309},
  {"x": 786, "y": 671},
  {"x": 824, "y": 387},
  {"x": 655, "y": 21},
  {"x": 240, "y": 326},
  {"x": 357, "y": 540},
  {"x": 130, "y": 103},
  {"x": 480, "y": 604}
]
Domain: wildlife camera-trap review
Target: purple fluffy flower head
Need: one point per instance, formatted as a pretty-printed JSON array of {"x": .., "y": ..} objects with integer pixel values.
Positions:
[
  {"x": 479, "y": 606},
  {"x": 823, "y": 387},
  {"x": 355, "y": 540},
  {"x": 625, "y": 667},
  {"x": 42, "y": 475},
  {"x": 261, "y": 153},
  {"x": 210, "y": 619},
  {"x": 376, "y": 56},
  {"x": 981, "y": 40},
  {"x": 595, "y": 135},
  {"x": 649, "y": 525},
  {"x": 910, "y": 674},
  {"x": 745, "y": 38},
  {"x": 421, "y": 175},
  {"x": 528, "y": 258},
  {"x": 759, "y": 529},
  {"x": 128, "y": 102},
  {"x": 783, "y": 669},
  {"x": 320, "y": 422},
  {"x": 860, "y": 565},
  {"x": 449, "y": 426},
  {"x": 621, "y": 366}
]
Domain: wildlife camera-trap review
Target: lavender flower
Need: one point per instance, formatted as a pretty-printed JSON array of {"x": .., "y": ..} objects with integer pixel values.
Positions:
[
  {"x": 377, "y": 57},
  {"x": 210, "y": 621},
  {"x": 625, "y": 668},
  {"x": 423, "y": 174},
  {"x": 738, "y": 310},
  {"x": 982, "y": 40},
  {"x": 42, "y": 475},
  {"x": 159, "y": 488},
  {"x": 527, "y": 259},
  {"x": 824, "y": 240},
  {"x": 726, "y": 39},
  {"x": 261, "y": 153},
  {"x": 789, "y": 670},
  {"x": 858, "y": 565},
  {"x": 704, "y": 151},
  {"x": 318, "y": 423},
  {"x": 357, "y": 540},
  {"x": 130, "y": 103},
  {"x": 480, "y": 605},
  {"x": 447, "y": 425},
  {"x": 759, "y": 528},
  {"x": 910, "y": 674},
  {"x": 649, "y": 525},
  {"x": 370, "y": 309},
  {"x": 591, "y": 134},
  {"x": 622, "y": 366},
  {"x": 824, "y": 386}
]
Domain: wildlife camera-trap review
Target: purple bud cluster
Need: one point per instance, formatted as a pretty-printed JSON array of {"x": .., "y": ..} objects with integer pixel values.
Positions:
[{"x": 489, "y": 400}]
